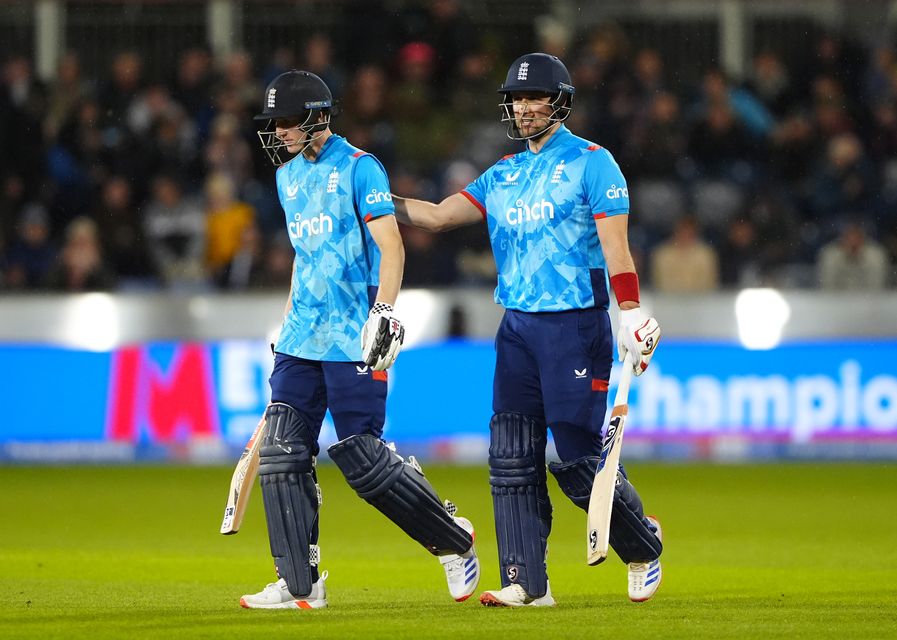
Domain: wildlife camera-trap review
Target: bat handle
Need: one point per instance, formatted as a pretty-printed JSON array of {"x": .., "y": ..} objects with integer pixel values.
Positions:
[{"x": 622, "y": 396}]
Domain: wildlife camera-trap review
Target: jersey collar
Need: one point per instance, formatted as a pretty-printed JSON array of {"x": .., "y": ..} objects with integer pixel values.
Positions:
[
  {"x": 328, "y": 145},
  {"x": 556, "y": 138}
]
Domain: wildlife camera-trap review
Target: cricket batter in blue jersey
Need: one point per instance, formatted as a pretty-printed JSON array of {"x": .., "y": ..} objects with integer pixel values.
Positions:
[
  {"x": 557, "y": 216},
  {"x": 339, "y": 336}
]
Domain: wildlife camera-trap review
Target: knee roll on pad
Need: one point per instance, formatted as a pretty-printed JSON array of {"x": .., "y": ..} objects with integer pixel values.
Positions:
[
  {"x": 631, "y": 534},
  {"x": 291, "y": 496},
  {"x": 399, "y": 490},
  {"x": 520, "y": 499},
  {"x": 575, "y": 478}
]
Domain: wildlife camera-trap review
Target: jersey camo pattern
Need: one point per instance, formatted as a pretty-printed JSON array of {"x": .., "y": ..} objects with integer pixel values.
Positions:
[
  {"x": 325, "y": 203},
  {"x": 541, "y": 210}
]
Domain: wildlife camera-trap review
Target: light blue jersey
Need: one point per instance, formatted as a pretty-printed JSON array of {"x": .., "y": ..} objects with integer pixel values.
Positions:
[
  {"x": 327, "y": 205},
  {"x": 541, "y": 210}
]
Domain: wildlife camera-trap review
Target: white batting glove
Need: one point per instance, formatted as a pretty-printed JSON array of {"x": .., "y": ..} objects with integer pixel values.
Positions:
[
  {"x": 639, "y": 336},
  {"x": 381, "y": 337}
]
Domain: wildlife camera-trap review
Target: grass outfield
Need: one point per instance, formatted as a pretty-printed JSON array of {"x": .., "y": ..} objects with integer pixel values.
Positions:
[{"x": 798, "y": 550}]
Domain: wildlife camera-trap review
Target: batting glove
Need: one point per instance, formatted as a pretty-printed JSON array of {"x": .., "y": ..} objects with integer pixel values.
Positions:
[
  {"x": 381, "y": 337},
  {"x": 639, "y": 336}
]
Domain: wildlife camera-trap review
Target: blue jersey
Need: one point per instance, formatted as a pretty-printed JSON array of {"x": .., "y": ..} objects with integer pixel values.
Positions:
[
  {"x": 541, "y": 210},
  {"x": 327, "y": 205}
]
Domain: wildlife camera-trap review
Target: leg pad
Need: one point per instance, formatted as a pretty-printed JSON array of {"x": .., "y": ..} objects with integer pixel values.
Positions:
[
  {"x": 399, "y": 490},
  {"x": 520, "y": 499},
  {"x": 632, "y": 535}
]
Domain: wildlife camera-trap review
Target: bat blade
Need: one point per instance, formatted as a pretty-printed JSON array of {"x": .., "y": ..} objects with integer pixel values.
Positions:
[
  {"x": 242, "y": 481},
  {"x": 601, "y": 500}
]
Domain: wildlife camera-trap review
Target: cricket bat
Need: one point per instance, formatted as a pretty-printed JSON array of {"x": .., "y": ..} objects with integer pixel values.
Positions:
[
  {"x": 602, "y": 499},
  {"x": 242, "y": 480}
]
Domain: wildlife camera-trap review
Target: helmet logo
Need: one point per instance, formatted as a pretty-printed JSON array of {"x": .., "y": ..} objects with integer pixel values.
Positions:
[
  {"x": 271, "y": 95},
  {"x": 522, "y": 70}
]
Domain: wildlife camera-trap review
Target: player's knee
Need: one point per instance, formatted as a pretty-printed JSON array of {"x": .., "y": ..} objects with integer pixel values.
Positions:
[
  {"x": 289, "y": 445},
  {"x": 368, "y": 464},
  {"x": 516, "y": 450},
  {"x": 575, "y": 478}
]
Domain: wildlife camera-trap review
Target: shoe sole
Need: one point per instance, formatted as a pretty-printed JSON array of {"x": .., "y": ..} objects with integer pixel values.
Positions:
[
  {"x": 292, "y": 604},
  {"x": 489, "y": 600}
]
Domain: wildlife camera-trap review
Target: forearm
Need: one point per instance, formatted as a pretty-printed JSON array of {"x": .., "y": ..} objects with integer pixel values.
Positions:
[
  {"x": 392, "y": 265},
  {"x": 417, "y": 213}
]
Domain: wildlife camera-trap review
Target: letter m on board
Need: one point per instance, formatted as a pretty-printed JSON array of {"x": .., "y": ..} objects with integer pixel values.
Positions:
[{"x": 159, "y": 402}]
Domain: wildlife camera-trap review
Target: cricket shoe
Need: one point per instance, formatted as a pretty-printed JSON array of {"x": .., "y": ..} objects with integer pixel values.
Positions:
[
  {"x": 515, "y": 596},
  {"x": 644, "y": 577},
  {"x": 277, "y": 596},
  {"x": 462, "y": 572}
]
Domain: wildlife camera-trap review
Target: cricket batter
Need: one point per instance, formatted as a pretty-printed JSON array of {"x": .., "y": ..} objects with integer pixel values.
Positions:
[
  {"x": 339, "y": 336},
  {"x": 557, "y": 218}
]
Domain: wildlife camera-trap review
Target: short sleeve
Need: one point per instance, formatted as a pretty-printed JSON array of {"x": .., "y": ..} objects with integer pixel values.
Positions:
[
  {"x": 372, "y": 195},
  {"x": 604, "y": 185},
  {"x": 476, "y": 192}
]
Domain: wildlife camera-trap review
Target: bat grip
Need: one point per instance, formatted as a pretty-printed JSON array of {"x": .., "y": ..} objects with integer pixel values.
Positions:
[{"x": 622, "y": 396}]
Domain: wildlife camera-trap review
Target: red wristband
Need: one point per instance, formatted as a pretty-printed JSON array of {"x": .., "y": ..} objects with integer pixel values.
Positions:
[{"x": 625, "y": 286}]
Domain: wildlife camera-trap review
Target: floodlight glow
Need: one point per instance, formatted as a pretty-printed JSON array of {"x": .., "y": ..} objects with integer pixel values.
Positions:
[
  {"x": 762, "y": 315},
  {"x": 417, "y": 310},
  {"x": 91, "y": 322}
]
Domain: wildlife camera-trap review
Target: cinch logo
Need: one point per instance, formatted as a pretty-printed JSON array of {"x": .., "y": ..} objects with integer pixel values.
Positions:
[
  {"x": 617, "y": 192},
  {"x": 312, "y": 227},
  {"x": 526, "y": 213},
  {"x": 522, "y": 71},
  {"x": 271, "y": 95},
  {"x": 378, "y": 196}
]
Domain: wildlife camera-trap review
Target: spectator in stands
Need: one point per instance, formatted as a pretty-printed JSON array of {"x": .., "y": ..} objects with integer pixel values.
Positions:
[
  {"x": 720, "y": 145},
  {"x": 853, "y": 262},
  {"x": 227, "y": 151},
  {"x": 685, "y": 263},
  {"x": 226, "y": 219},
  {"x": 318, "y": 56},
  {"x": 844, "y": 181},
  {"x": 32, "y": 254},
  {"x": 66, "y": 92},
  {"x": 739, "y": 255},
  {"x": 123, "y": 241},
  {"x": 192, "y": 87},
  {"x": 770, "y": 83},
  {"x": 175, "y": 230},
  {"x": 81, "y": 266},
  {"x": 246, "y": 268}
]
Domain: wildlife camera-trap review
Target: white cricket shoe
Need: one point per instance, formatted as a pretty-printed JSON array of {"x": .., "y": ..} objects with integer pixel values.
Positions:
[
  {"x": 644, "y": 577},
  {"x": 514, "y": 595},
  {"x": 277, "y": 596},
  {"x": 462, "y": 572}
]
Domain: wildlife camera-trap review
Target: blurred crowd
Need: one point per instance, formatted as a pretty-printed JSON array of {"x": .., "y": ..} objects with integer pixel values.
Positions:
[{"x": 111, "y": 179}]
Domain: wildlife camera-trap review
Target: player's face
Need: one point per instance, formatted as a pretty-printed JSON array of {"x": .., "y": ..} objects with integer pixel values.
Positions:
[
  {"x": 287, "y": 130},
  {"x": 531, "y": 112}
]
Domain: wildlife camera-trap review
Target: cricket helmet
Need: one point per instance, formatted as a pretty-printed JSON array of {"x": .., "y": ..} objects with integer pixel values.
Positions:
[
  {"x": 537, "y": 73},
  {"x": 294, "y": 95}
]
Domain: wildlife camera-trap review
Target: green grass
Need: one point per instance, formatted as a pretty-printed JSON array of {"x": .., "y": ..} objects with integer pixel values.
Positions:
[{"x": 767, "y": 551}]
